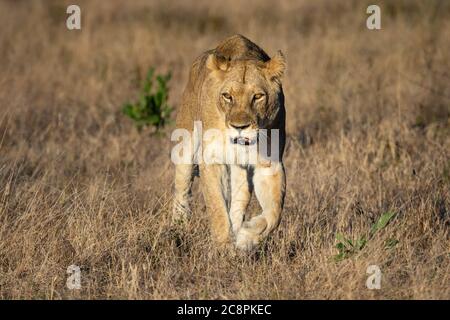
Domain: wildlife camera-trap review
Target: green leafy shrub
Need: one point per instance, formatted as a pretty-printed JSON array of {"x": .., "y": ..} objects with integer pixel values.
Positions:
[
  {"x": 348, "y": 247},
  {"x": 151, "y": 109}
]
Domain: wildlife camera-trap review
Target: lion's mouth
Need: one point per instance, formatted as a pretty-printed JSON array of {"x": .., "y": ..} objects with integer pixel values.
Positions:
[{"x": 243, "y": 141}]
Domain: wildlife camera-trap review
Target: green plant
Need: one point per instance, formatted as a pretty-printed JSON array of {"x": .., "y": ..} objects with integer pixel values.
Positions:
[
  {"x": 347, "y": 247},
  {"x": 151, "y": 109}
]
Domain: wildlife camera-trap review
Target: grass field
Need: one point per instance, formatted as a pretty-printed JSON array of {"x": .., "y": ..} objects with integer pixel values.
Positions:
[{"x": 368, "y": 133}]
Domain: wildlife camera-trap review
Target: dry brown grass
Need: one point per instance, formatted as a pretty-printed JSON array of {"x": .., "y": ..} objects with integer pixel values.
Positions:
[{"x": 369, "y": 131}]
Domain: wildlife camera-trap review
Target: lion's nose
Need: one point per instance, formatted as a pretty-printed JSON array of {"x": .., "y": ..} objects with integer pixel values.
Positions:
[{"x": 240, "y": 126}]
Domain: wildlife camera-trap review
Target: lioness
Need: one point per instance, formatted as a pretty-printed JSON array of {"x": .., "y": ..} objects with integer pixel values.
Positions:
[{"x": 235, "y": 87}]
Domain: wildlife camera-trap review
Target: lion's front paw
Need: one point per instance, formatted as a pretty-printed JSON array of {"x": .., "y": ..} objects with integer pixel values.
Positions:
[
  {"x": 180, "y": 214},
  {"x": 246, "y": 239}
]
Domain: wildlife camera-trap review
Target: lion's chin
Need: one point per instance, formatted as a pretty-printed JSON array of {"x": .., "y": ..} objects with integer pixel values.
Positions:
[{"x": 243, "y": 141}]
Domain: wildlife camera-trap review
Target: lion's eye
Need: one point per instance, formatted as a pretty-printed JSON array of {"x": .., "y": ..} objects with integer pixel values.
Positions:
[
  {"x": 227, "y": 97},
  {"x": 258, "y": 96}
]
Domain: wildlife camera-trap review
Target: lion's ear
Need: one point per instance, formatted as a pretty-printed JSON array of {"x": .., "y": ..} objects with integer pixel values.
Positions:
[
  {"x": 276, "y": 66},
  {"x": 217, "y": 63}
]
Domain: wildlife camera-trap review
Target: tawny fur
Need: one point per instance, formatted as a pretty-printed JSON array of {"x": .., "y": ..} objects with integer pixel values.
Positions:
[{"x": 242, "y": 69}]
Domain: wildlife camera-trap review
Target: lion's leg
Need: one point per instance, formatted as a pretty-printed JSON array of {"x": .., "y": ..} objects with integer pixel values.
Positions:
[
  {"x": 240, "y": 196},
  {"x": 269, "y": 184},
  {"x": 215, "y": 189},
  {"x": 184, "y": 176}
]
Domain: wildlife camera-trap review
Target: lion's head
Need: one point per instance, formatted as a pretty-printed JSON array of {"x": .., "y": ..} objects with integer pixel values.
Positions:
[{"x": 248, "y": 93}]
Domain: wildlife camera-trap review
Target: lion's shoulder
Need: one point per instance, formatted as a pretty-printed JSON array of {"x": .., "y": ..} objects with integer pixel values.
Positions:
[{"x": 238, "y": 47}]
